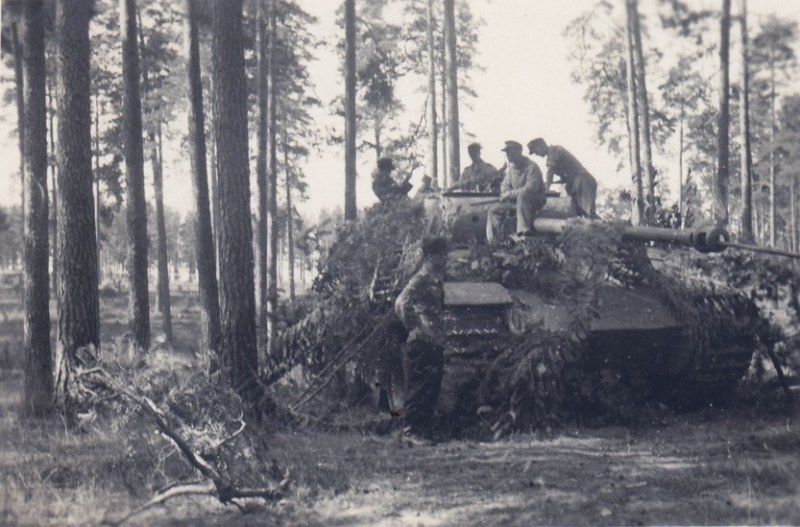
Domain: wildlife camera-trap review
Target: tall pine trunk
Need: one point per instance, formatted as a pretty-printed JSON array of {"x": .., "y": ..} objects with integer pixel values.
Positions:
[
  {"x": 637, "y": 214},
  {"x": 163, "y": 302},
  {"x": 261, "y": 159},
  {"x": 289, "y": 220},
  {"x": 746, "y": 217},
  {"x": 350, "y": 210},
  {"x": 204, "y": 238},
  {"x": 19, "y": 81},
  {"x": 443, "y": 85},
  {"x": 723, "y": 120},
  {"x": 648, "y": 171},
  {"x": 773, "y": 126},
  {"x": 79, "y": 315},
  {"x": 433, "y": 140},
  {"x": 238, "y": 348},
  {"x": 38, "y": 363},
  {"x": 451, "y": 60},
  {"x": 98, "y": 241},
  {"x": 272, "y": 184},
  {"x": 138, "y": 300}
]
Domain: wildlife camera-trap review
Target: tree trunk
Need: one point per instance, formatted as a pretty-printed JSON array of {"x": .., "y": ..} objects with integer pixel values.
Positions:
[
  {"x": 161, "y": 227},
  {"x": 772, "y": 131},
  {"x": 648, "y": 171},
  {"x": 204, "y": 238},
  {"x": 433, "y": 140},
  {"x": 79, "y": 316},
  {"x": 98, "y": 241},
  {"x": 38, "y": 363},
  {"x": 272, "y": 185},
  {"x": 138, "y": 301},
  {"x": 238, "y": 348},
  {"x": 51, "y": 111},
  {"x": 289, "y": 218},
  {"x": 261, "y": 159},
  {"x": 445, "y": 171},
  {"x": 20, "y": 89},
  {"x": 680, "y": 170},
  {"x": 451, "y": 59},
  {"x": 350, "y": 210},
  {"x": 746, "y": 218},
  {"x": 637, "y": 216},
  {"x": 723, "y": 121}
]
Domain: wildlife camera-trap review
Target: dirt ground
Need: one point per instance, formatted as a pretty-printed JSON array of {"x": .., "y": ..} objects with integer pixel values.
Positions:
[{"x": 722, "y": 466}]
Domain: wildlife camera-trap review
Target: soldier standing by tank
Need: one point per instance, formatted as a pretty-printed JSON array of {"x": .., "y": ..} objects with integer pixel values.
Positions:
[
  {"x": 480, "y": 175},
  {"x": 523, "y": 186},
  {"x": 419, "y": 307},
  {"x": 580, "y": 185},
  {"x": 384, "y": 185}
]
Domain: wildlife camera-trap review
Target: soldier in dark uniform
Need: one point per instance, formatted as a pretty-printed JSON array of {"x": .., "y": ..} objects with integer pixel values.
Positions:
[
  {"x": 419, "y": 307},
  {"x": 480, "y": 175},
  {"x": 385, "y": 186},
  {"x": 580, "y": 185}
]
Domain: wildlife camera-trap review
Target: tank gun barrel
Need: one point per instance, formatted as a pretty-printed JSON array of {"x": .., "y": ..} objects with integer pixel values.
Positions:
[{"x": 707, "y": 240}]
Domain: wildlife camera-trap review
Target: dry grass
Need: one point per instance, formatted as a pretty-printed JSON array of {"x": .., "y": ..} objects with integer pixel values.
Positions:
[{"x": 734, "y": 466}]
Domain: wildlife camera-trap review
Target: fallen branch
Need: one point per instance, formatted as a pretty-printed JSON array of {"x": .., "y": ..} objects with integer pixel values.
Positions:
[{"x": 218, "y": 485}]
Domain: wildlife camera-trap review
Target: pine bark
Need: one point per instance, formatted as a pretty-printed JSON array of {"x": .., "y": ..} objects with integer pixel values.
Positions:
[
  {"x": 746, "y": 218},
  {"x": 648, "y": 171},
  {"x": 272, "y": 184},
  {"x": 721, "y": 182},
  {"x": 204, "y": 238},
  {"x": 289, "y": 221},
  {"x": 138, "y": 300},
  {"x": 433, "y": 140},
  {"x": 38, "y": 363},
  {"x": 451, "y": 60},
  {"x": 19, "y": 81},
  {"x": 350, "y": 210},
  {"x": 238, "y": 347},
  {"x": 261, "y": 158},
  {"x": 98, "y": 241},
  {"x": 79, "y": 315},
  {"x": 637, "y": 213}
]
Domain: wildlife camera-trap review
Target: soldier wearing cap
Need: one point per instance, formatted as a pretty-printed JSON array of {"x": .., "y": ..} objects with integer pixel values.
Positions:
[
  {"x": 579, "y": 184},
  {"x": 419, "y": 307},
  {"x": 385, "y": 186},
  {"x": 480, "y": 175},
  {"x": 522, "y": 190}
]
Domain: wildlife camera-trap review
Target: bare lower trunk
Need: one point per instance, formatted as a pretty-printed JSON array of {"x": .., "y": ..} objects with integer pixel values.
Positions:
[
  {"x": 638, "y": 215},
  {"x": 746, "y": 217},
  {"x": 350, "y": 210},
  {"x": 723, "y": 121},
  {"x": 772, "y": 130},
  {"x": 433, "y": 140},
  {"x": 79, "y": 315},
  {"x": 38, "y": 363},
  {"x": 163, "y": 300},
  {"x": 204, "y": 240},
  {"x": 451, "y": 60},
  {"x": 648, "y": 171},
  {"x": 261, "y": 160},
  {"x": 138, "y": 301},
  {"x": 272, "y": 202},
  {"x": 289, "y": 221},
  {"x": 98, "y": 241},
  {"x": 445, "y": 117}
]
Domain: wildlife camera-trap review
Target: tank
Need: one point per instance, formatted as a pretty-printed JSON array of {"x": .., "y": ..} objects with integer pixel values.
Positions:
[
  {"x": 593, "y": 287},
  {"x": 583, "y": 317}
]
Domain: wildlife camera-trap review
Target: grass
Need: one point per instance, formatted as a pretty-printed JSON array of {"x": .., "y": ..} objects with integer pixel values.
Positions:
[{"x": 721, "y": 466}]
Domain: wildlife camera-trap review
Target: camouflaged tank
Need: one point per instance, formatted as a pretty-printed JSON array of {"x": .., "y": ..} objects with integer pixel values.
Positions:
[{"x": 608, "y": 295}]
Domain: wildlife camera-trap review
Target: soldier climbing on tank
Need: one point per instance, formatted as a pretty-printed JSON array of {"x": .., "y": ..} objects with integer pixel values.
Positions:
[
  {"x": 480, "y": 175},
  {"x": 385, "y": 186},
  {"x": 579, "y": 184},
  {"x": 523, "y": 186},
  {"x": 419, "y": 307}
]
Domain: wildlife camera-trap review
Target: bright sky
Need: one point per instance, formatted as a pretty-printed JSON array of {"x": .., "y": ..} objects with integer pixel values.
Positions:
[{"x": 525, "y": 91}]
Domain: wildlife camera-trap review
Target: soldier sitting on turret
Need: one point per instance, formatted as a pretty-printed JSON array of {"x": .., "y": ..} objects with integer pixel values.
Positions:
[
  {"x": 385, "y": 186},
  {"x": 480, "y": 175},
  {"x": 419, "y": 307}
]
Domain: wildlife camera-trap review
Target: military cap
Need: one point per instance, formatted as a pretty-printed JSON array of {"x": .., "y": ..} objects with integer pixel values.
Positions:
[
  {"x": 511, "y": 145},
  {"x": 433, "y": 245},
  {"x": 385, "y": 163},
  {"x": 534, "y": 143},
  {"x": 473, "y": 146}
]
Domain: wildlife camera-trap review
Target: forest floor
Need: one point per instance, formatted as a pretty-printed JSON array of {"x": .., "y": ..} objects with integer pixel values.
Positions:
[{"x": 736, "y": 465}]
